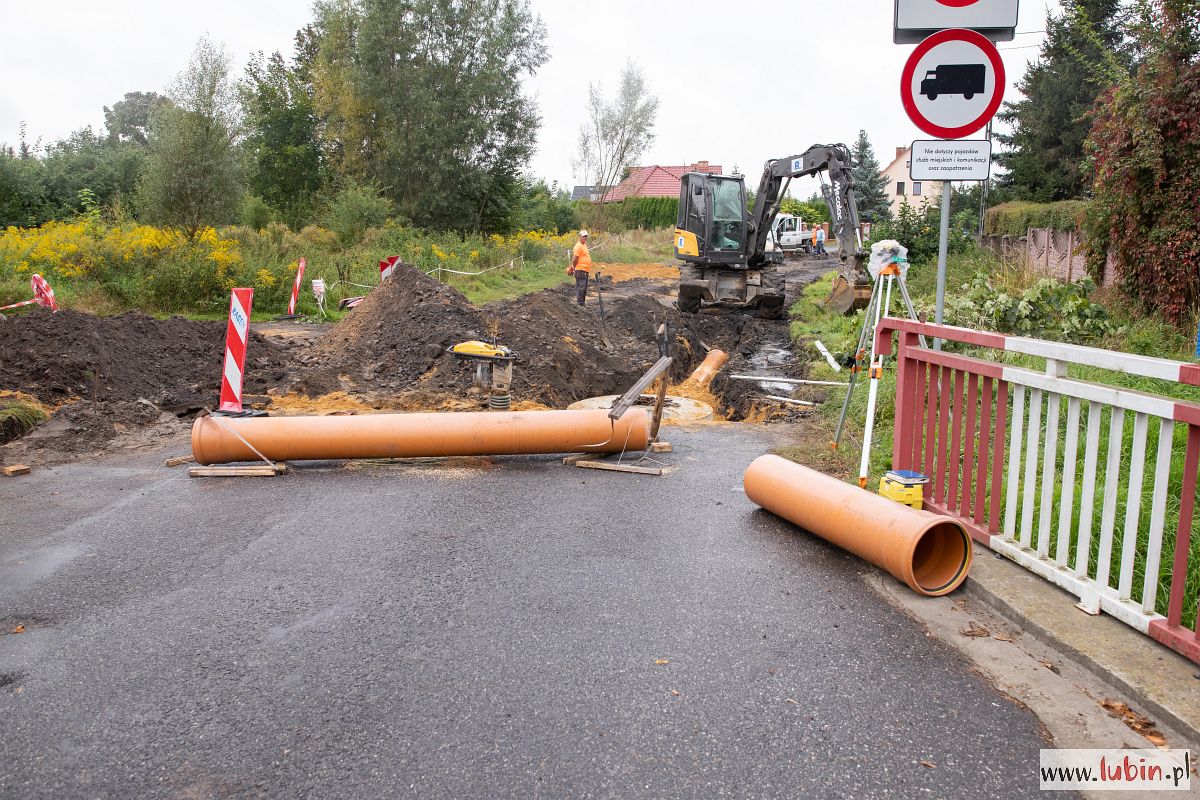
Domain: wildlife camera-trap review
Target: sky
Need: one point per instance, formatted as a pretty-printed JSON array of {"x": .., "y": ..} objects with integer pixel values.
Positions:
[{"x": 737, "y": 82}]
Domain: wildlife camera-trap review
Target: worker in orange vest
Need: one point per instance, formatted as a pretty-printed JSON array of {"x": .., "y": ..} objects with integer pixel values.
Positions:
[
  {"x": 581, "y": 266},
  {"x": 813, "y": 249}
]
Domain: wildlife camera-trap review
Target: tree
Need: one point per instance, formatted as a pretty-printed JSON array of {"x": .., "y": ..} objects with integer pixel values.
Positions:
[
  {"x": 23, "y": 202},
  {"x": 128, "y": 121},
  {"x": 1082, "y": 52},
  {"x": 108, "y": 170},
  {"x": 1145, "y": 145},
  {"x": 284, "y": 154},
  {"x": 437, "y": 116},
  {"x": 615, "y": 134},
  {"x": 869, "y": 184},
  {"x": 193, "y": 175}
]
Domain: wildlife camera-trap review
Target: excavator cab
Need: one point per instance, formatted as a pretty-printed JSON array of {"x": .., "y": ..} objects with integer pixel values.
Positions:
[
  {"x": 713, "y": 238},
  {"x": 711, "y": 226}
]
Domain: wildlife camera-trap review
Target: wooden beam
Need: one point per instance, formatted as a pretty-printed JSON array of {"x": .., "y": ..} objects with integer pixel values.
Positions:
[
  {"x": 227, "y": 471},
  {"x": 175, "y": 461},
  {"x": 16, "y": 469},
  {"x": 630, "y": 397},
  {"x": 620, "y": 467},
  {"x": 660, "y": 400},
  {"x": 577, "y": 457}
]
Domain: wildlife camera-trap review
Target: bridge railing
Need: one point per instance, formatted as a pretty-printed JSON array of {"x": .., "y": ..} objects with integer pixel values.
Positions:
[{"x": 1091, "y": 485}]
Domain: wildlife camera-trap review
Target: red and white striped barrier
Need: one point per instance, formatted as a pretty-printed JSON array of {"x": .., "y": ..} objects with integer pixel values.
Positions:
[
  {"x": 236, "y": 335},
  {"x": 43, "y": 295},
  {"x": 296, "y": 288},
  {"x": 387, "y": 266}
]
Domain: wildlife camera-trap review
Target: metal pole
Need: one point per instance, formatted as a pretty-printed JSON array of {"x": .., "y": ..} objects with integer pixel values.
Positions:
[
  {"x": 983, "y": 187},
  {"x": 943, "y": 243}
]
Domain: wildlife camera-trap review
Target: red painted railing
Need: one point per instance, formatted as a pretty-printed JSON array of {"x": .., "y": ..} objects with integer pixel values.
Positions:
[{"x": 1008, "y": 471}]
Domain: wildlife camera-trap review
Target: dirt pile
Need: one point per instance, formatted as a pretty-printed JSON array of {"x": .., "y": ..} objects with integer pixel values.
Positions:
[
  {"x": 173, "y": 363},
  {"x": 395, "y": 343}
]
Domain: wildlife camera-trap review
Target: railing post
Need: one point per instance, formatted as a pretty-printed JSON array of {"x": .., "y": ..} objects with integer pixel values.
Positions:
[{"x": 906, "y": 400}]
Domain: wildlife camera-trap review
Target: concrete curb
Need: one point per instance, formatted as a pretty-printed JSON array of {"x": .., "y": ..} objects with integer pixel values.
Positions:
[{"x": 1165, "y": 684}]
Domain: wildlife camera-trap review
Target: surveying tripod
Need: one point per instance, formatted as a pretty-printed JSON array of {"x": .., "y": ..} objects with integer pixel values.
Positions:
[{"x": 878, "y": 307}]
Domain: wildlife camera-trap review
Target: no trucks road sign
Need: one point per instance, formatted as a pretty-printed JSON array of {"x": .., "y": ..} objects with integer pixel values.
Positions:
[{"x": 952, "y": 83}]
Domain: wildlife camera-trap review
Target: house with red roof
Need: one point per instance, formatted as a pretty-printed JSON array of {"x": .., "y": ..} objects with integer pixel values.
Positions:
[{"x": 657, "y": 181}]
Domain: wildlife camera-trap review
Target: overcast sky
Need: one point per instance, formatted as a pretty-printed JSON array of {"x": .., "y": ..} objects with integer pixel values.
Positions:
[{"x": 738, "y": 82}]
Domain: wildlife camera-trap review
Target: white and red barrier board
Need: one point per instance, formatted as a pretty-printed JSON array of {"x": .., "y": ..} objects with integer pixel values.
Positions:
[
  {"x": 43, "y": 295},
  {"x": 236, "y": 335},
  {"x": 387, "y": 266},
  {"x": 296, "y": 287}
]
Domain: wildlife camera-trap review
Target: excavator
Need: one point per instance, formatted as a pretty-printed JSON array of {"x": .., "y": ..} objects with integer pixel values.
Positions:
[{"x": 727, "y": 252}]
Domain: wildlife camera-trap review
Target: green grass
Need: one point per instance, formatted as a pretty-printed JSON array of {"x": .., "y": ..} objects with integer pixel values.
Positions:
[
  {"x": 1137, "y": 333},
  {"x": 17, "y": 419}
]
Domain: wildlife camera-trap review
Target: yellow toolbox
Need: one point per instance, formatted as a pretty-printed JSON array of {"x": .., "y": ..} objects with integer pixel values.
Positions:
[{"x": 904, "y": 486}]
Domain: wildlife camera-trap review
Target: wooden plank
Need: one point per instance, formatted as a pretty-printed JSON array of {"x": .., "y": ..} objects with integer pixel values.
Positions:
[
  {"x": 985, "y": 456},
  {"x": 577, "y": 457},
  {"x": 227, "y": 471},
  {"x": 16, "y": 469},
  {"x": 660, "y": 447},
  {"x": 1087, "y": 499},
  {"x": 1033, "y": 435},
  {"x": 630, "y": 397},
  {"x": 660, "y": 399},
  {"x": 1049, "y": 470},
  {"x": 970, "y": 474},
  {"x": 175, "y": 461},
  {"x": 1158, "y": 513},
  {"x": 1066, "y": 510},
  {"x": 1112, "y": 486},
  {"x": 1014, "y": 462},
  {"x": 620, "y": 467},
  {"x": 1133, "y": 505}
]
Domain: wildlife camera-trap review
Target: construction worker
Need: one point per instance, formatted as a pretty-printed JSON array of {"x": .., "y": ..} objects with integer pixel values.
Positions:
[
  {"x": 813, "y": 248},
  {"x": 820, "y": 240},
  {"x": 581, "y": 266}
]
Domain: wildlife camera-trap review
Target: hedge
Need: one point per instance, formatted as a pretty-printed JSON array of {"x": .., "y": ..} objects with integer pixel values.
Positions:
[{"x": 1017, "y": 217}]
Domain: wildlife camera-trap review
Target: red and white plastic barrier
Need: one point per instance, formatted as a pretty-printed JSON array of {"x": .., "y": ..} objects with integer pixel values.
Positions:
[
  {"x": 236, "y": 335},
  {"x": 296, "y": 288},
  {"x": 43, "y": 295},
  {"x": 387, "y": 266}
]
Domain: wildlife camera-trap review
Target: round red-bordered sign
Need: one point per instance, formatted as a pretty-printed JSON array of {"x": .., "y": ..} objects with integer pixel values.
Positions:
[{"x": 910, "y": 68}]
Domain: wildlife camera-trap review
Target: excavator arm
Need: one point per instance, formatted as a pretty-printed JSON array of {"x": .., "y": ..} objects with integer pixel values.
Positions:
[{"x": 778, "y": 173}]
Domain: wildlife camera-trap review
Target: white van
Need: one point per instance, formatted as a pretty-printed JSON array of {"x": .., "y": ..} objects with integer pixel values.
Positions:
[{"x": 790, "y": 233}]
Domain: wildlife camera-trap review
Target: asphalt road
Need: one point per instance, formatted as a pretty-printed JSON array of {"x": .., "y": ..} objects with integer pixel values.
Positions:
[{"x": 473, "y": 628}]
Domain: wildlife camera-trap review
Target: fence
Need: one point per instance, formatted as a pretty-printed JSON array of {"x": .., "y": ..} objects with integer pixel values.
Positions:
[
  {"x": 1004, "y": 459},
  {"x": 1054, "y": 253}
]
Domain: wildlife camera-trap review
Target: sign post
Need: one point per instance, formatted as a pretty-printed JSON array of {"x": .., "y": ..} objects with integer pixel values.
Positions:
[
  {"x": 237, "y": 334},
  {"x": 951, "y": 86}
]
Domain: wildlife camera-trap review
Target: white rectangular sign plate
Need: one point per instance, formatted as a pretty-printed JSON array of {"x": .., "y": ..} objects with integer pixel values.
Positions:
[
  {"x": 916, "y": 19},
  {"x": 950, "y": 160}
]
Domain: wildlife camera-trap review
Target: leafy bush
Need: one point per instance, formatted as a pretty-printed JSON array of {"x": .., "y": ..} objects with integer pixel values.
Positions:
[
  {"x": 649, "y": 212},
  {"x": 1048, "y": 309},
  {"x": 1016, "y": 217},
  {"x": 917, "y": 228},
  {"x": 353, "y": 210},
  {"x": 255, "y": 213}
]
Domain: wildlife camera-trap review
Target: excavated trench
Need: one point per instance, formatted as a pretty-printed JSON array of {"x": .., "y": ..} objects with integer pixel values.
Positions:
[{"x": 109, "y": 376}]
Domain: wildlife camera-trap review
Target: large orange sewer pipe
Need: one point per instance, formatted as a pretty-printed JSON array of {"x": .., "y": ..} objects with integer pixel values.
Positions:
[
  {"x": 709, "y": 367},
  {"x": 930, "y": 553},
  {"x": 417, "y": 435}
]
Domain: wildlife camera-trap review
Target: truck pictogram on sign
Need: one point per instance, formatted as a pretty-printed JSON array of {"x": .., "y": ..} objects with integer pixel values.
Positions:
[{"x": 965, "y": 79}]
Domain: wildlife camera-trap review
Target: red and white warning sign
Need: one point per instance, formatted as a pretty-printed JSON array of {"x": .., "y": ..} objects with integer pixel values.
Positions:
[
  {"x": 952, "y": 83},
  {"x": 296, "y": 288},
  {"x": 236, "y": 335},
  {"x": 387, "y": 266}
]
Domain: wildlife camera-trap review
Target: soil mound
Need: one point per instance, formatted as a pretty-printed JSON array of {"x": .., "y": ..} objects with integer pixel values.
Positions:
[
  {"x": 174, "y": 363},
  {"x": 396, "y": 341}
]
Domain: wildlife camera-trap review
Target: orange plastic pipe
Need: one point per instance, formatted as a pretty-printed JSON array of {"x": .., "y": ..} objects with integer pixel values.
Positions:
[
  {"x": 417, "y": 435},
  {"x": 709, "y": 367},
  {"x": 930, "y": 553}
]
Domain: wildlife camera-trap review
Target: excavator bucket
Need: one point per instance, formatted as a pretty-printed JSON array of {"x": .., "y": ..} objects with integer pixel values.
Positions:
[{"x": 849, "y": 296}]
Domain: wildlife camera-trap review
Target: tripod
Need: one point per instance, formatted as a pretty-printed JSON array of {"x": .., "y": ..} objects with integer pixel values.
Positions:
[{"x": 879, "y": 305}]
